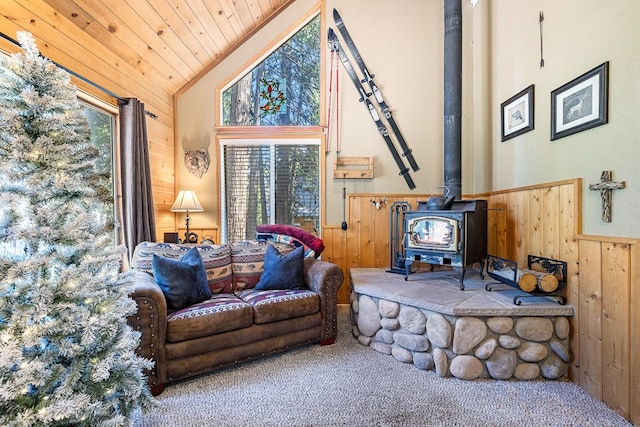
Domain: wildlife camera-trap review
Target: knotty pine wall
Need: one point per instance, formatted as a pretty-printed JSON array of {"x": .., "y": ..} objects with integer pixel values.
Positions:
[
  {"x": 72, "y": 47},
  {"x": 603, "y": 274},
  {"x": 607, "y": 345}
]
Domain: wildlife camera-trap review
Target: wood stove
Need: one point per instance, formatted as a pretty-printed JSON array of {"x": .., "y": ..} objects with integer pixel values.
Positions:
[{"x": 455, "y": 237}]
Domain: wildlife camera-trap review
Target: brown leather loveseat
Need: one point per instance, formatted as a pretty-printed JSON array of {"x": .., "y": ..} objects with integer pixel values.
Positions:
[{"x": 237, "y": 323}]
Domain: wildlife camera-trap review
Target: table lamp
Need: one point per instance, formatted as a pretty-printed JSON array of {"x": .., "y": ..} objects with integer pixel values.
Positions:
[{"x": 187, "y": 201}]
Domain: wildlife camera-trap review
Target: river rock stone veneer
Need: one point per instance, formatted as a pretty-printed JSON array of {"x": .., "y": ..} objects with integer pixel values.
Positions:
[{"x": 466, "y": 347}]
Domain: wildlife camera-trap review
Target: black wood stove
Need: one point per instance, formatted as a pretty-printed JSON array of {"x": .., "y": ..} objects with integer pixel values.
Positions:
[{"x": 455, "y": 237}]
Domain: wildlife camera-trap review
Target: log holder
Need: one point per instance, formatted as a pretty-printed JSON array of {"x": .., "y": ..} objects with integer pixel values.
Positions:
[{"x": 508, "y": 271}]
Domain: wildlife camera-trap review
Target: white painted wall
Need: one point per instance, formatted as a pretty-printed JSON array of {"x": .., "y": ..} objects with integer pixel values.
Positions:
[
  {"x": 196, "y": 112},
  {"x": 401, "y": 42},
  {"x": 578, "y": 35}
]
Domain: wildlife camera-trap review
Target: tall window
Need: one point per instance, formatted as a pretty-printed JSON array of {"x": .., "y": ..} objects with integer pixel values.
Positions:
[
  {"x": 274, "y": 180},
  {"x": 269, "y": 182},
  {"x": 102, "y": 124}
]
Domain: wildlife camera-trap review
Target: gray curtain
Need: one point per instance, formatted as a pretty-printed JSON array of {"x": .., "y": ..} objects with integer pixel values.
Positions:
[{"x": 138, "y": 222}]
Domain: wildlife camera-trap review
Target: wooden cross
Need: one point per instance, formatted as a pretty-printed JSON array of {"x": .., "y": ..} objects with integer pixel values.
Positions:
[{"x": 605, "y": 186}]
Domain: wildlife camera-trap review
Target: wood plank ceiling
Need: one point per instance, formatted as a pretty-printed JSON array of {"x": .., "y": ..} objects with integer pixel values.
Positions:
[{"x": 170, "y": 42}]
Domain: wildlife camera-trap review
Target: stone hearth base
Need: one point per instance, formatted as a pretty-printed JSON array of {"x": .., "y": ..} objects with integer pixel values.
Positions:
[{"x": 473, "y": 333}]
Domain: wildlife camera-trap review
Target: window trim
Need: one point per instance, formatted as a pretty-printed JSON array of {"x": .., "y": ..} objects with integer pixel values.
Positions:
[
  {"x": 268, "y": 130},
  {"x": 87, "y": 98},
  {"x": 95, "y": 102}
]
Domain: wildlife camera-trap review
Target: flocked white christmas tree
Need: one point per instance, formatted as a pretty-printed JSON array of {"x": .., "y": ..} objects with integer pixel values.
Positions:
[{"x": 66, "y": 351}]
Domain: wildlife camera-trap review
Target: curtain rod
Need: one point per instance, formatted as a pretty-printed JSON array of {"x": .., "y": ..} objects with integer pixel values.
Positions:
[{"x": 120, "y": 99}]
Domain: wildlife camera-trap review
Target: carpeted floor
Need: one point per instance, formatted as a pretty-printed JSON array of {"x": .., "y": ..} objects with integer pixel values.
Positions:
[{"x": 347, "y": 384}]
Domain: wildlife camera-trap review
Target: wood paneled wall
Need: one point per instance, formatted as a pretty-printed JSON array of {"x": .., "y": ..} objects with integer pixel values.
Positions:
[
  {"x": 365, "y": 243},
  {"x": 603, "y": 274},
  {"x": 72, "y": 47},
  {"x": 212, "y": 233},
  {"x": 606, "y": 342}
]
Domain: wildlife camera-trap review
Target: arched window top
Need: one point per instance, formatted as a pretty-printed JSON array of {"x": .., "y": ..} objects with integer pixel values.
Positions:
[{"x": 283, "y": 89}]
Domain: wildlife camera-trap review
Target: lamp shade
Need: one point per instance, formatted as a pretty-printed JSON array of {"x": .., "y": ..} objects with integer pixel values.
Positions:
[{"x": 187, "y": 201}]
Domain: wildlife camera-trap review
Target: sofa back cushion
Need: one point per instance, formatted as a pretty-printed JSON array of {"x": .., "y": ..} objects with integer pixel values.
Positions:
[
  {"x": 247, "y": 261},
  {"x": 215, "y": 258}
]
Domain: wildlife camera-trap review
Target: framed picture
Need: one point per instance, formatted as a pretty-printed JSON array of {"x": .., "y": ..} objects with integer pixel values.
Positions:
[
  {"x": 517, "y": 114},
  {"x": 580, "y": 104}
]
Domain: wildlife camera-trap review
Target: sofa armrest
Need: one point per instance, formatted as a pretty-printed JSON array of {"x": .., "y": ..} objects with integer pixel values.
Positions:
[
  {"x": 325, "y": 278},
  {"x": 151, "y": 321}
]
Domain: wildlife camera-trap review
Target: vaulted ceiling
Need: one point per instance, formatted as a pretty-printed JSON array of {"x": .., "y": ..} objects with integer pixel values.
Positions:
[{"x": 172, "y": 40}]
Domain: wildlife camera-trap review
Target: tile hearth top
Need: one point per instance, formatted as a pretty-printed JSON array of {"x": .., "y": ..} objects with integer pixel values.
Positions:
[{"x": 439, "y": 291}]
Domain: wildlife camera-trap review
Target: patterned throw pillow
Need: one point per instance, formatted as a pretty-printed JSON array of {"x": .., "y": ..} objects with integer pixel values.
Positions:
[
  {"x": 215, "y": 258},
  {"x": 183, "y": 281}
]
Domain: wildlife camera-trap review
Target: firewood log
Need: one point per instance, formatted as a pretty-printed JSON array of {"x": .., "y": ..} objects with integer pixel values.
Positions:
[
  {"x": 530, "y": 280},
  {"x": 526, "y": 280}
]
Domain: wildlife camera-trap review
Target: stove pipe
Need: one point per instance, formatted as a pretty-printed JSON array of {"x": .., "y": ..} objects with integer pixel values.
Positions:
[{"x": 453, "y": 96}]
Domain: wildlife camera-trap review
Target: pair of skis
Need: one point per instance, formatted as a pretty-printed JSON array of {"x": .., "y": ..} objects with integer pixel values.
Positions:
[{"x": 335, "y": 46}]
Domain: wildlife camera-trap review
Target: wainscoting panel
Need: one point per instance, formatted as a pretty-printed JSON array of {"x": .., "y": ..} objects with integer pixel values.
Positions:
[
  {"x": 211, "y": 233},
  {"x": 609, "y": 364},
  {"x": 603, "y": 283},
  {"x": 365, "y": 242},
  {"x": 539, "y": 220}
]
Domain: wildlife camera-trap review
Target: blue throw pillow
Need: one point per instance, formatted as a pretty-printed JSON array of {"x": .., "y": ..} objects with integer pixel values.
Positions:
[
  {"x": 184, "y": 281},
  {"x": 282, "y": 271}
]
